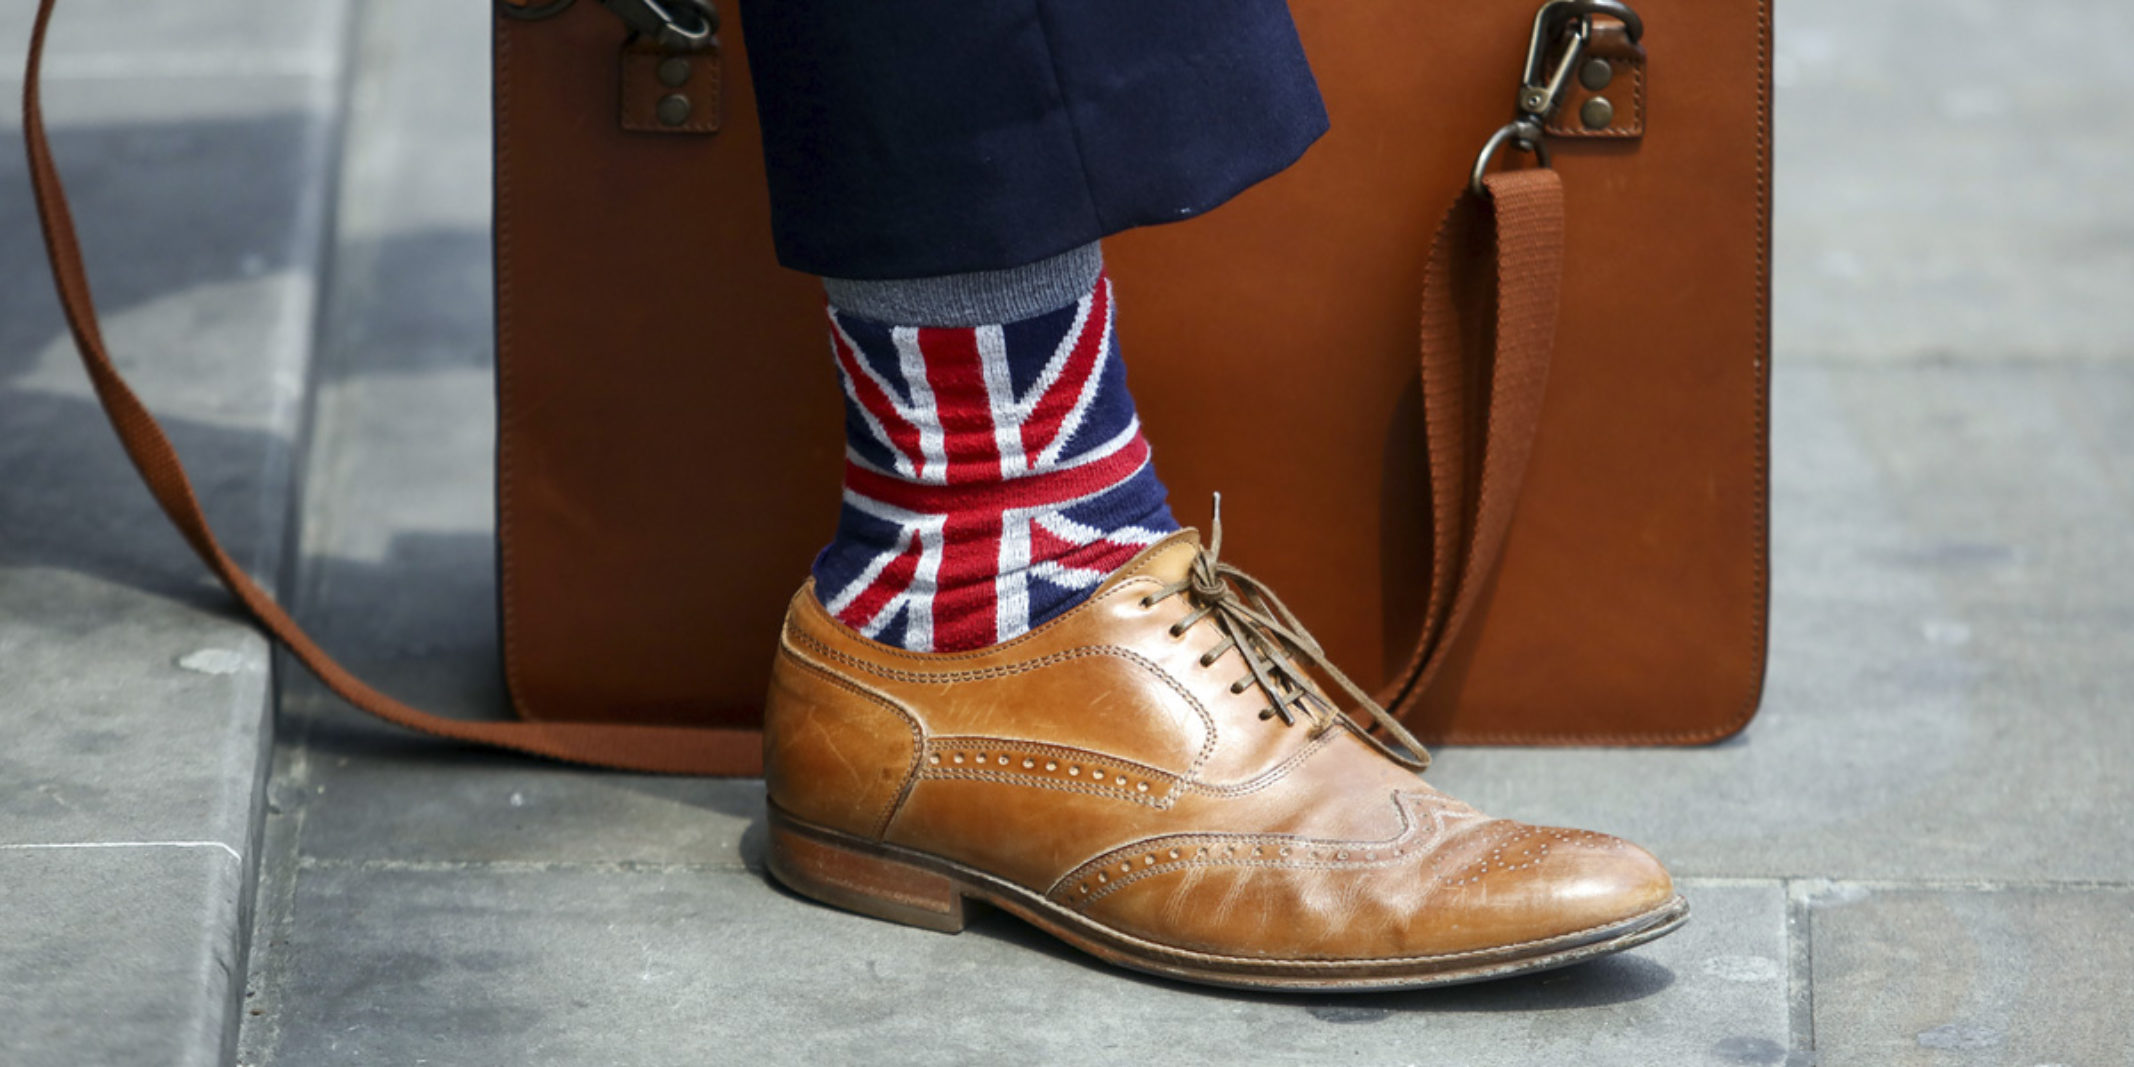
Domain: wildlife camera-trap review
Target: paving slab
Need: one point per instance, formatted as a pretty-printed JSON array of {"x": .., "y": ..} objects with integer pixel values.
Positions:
[
  {"x": 479, "y": 965},
  {"x": 1931, "y": 977},
  {"x": 119, "y": 955},
  {"x": 136, "y": 704},
  {"x": 140, "y": 700},
  {"x": 1946, "y": 182}
]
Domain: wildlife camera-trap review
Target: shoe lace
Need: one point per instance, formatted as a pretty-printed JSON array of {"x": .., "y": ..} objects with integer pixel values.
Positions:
[{"x": 1278, "y": 651}]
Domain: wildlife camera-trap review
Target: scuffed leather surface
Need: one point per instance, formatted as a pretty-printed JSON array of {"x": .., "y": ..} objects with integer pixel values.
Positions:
[{"x": 1097, "y": 762}]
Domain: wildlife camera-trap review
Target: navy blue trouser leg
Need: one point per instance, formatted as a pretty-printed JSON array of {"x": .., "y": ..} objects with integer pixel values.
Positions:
[{"x": 910, "y": 138}]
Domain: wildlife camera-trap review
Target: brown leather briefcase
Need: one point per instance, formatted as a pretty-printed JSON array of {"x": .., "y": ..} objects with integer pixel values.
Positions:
[{"x": 1506, "y": 458}]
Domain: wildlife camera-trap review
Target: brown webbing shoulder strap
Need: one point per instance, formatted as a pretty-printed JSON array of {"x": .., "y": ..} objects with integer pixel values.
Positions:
[
  {"x": 661, "y": 749},
  {"x": 1482, "y": 393}
]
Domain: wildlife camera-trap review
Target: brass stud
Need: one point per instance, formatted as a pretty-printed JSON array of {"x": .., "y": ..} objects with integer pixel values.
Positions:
[
  {"x": 1596, "y": 74},
  {"x": 673, "y": 109},
  {"x": 674, "y": 71},
  {"x": 1597, "y": 113}
]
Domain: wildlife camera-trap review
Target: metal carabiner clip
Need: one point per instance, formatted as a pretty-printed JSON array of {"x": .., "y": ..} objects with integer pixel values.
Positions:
[
  {"x": 1543, "y": 83},
  {"x": 675, "y": 25}
]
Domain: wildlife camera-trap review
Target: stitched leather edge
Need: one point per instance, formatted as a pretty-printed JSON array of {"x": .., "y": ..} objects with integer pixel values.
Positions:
[
  {"x": 1200, "y": 759},
  {"x": 1760, "y": 414},
  {"x": 1161, "y": 950},
  {"x": 918, "y": 731}
]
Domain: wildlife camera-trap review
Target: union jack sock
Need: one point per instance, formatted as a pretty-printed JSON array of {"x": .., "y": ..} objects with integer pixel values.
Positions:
[{"x": 994, "y": 474}]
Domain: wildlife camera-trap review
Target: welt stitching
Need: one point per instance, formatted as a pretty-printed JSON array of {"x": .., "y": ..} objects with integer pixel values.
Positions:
[
  {"x": 1116, "y": 884},
  {"x": 1061, "y": 751},
  {"x": 1160, "y": 800},
  {"x": 1265, "y": 778},
  {"x": 1089, "y": 867},
  {"x": 1159, "y": 803},
  {"x": 1322, "y": 963},
  {"x": 1434, "y": 861},
  {"x": 1207, "y": 746}
]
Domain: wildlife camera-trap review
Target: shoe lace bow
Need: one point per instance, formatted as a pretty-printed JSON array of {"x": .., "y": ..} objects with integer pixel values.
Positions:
[{"x": 1280, "y": 654}]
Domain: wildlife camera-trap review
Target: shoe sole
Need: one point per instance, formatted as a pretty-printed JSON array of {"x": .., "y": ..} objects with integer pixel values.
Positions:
[{"x": 904, "y": 886}]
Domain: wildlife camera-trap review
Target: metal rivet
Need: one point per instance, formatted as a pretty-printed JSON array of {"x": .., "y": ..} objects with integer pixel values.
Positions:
[
  {"x": 1596, "y": 74},
  {"x": 674, "y": 109},
  {"x": 1597, "y": 113},
  {"x": 674, "y": 71}
]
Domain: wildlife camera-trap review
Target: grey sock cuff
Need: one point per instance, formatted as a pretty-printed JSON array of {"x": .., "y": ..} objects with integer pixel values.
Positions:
[{"x": 976, "y": 298}]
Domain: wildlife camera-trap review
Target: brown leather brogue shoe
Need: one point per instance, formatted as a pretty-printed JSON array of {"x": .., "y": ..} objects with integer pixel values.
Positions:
[{"x": 1157, "y": 777}]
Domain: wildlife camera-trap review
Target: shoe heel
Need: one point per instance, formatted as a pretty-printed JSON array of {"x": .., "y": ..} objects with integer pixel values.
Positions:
[{"x": 858, "y": 881}]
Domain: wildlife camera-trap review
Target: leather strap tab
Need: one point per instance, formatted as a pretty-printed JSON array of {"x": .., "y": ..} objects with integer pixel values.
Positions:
[
  {"x": 667, "y": 91},
  {"x": 660, "y": 749},
  {"x": 1482, "y": 392}
]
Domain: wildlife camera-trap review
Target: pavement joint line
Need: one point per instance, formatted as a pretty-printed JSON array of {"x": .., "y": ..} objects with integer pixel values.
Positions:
[
  {"x": 55, "y": 846},
  {"x": 324, "y": 863},
  {"x": 1800, "y": 968},
  {"x": 1812, "y": 885}
]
